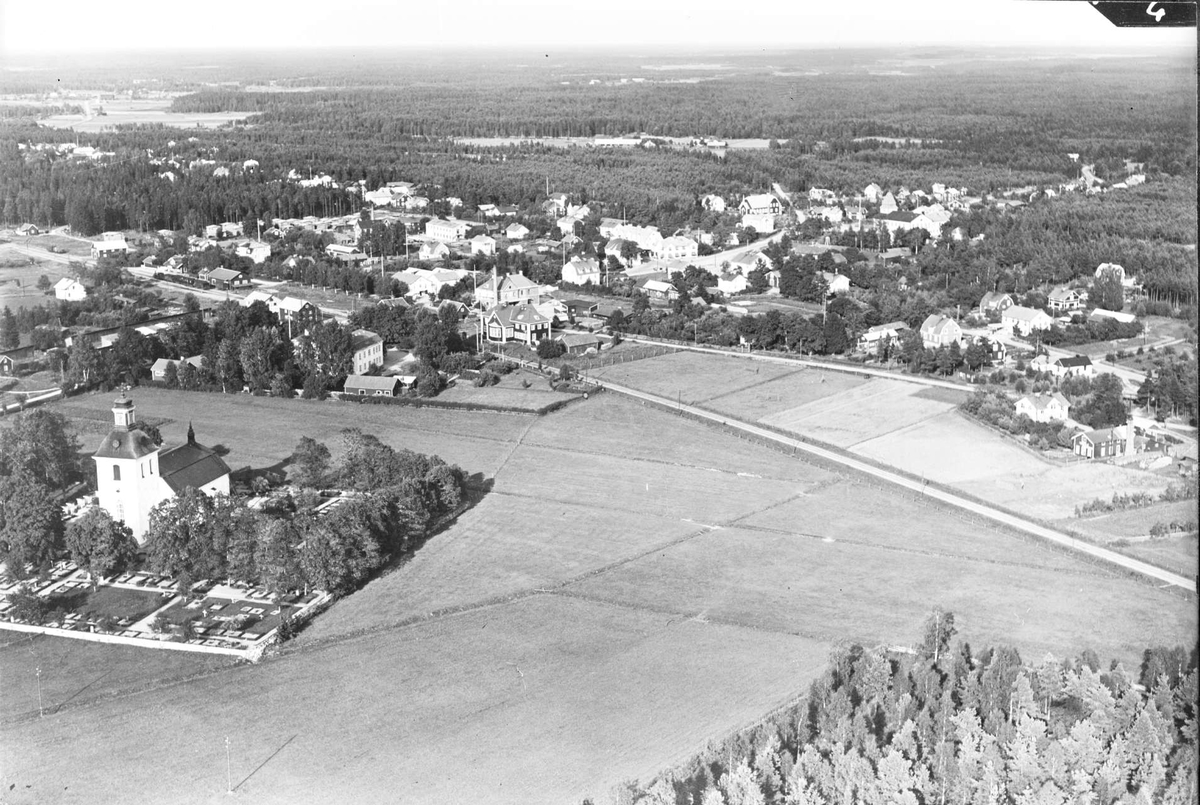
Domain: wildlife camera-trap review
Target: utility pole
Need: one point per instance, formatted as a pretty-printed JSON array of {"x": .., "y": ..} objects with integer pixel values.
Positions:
[
  {"x": 228, "y": 769},
  {"x": 41, "y": 711}
]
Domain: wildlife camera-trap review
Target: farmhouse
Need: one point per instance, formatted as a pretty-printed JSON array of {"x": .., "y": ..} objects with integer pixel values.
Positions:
[
  {"x": 1044, "y": 407},
  {"x": 371, "y": 386},
  {"x": 938, "y": 330},
  {"x": 69, "y": 289},
  {"x": 1025, "y": 320},
  {"x": 133, "y": 475},
  {"x": 662, "y": 291},
  {"x": 761, "y": 204},
  {"x": 581, "y": 271},
  {"x": 1106, "y": 443},
  {"x": 367, "y": 348}
]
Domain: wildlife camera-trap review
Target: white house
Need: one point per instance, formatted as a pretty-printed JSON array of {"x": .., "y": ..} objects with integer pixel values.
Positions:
[
  {"x": 713, "y": 203},
  {"x": 995, "y": 302},
  {"x": 677, "y": 247},
  {"x": 1073, "y": 365},
  {"x": 1115, "y": 315},
  {"x": 1063, "y": 299},
  {"x": 109, "y": 248},
  {"x": 835, "y": 283},
  {"x": 731, "y": 282},
  {"x": 762, "y": 222},
  {"x": 446, "y": 230},
  {"x": 581, "y": 271},
  {"x": 133, "y": 475},
  {"x": 367, "y": 349},
  {"x": 938, "y": 331},
  {"x": 516, "y": 232},
  {"x": 1025, "y": 320},
  {"x": 69, "y": 289},
  {"x": 886, "y": 333},
  {"x": 647, "y": 238},
  {"x": 872, "y": 193},
  {"x": 483, "y": 244},
  {"x": 1044, "y": 407},
  {"x": 433, "y": 250},
  {"x": 430, "y": 282},
  {"x": 510, "y": 289},
  {"x": 256, "y": 250}
]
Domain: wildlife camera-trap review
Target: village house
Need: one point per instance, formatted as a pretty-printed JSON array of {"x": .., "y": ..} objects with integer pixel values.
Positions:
[
  {"x": 713, "y": 203},
  {"x": 483, "y": 244},
  {"x": 1073, "y": 366},
  {"x": 678, "y": 247},
  {"x": 579, "y": 343},
  {"x": 71, "y": 290},
  {"x": 433, "y": 250},
  {"x": 887, "y": 204},
  {"x": 881, "y": 333},
  {"x": 115, "y": 247},
  {"x": 28, "y": 230},
  {"x": 835, "y": 283},
  {"x": 158, "y": 370},
  {"x": 647, "y": 238},
  {"x": 430, "y": 282},
  {"x": 760, "y": 222},
  {"x": 581, "y": 271},
  {"x": 1105, "y": 443},
  {"x": 345, "y": 253},
  {"x": 872, "y": 193},
  {"x": 372, "y": 386},
  {"x": 224, "y": 279},
  {"x": 761, "y": 204},
  {"x": 1115, "y": 315},
  {"x": 1044, "y": 407},
  {"x": 749, "y": 260},
  {"x": 256, "y": 250},
  {"x": 516, "y": 231},
  {"x": 1063, "y": 299},
  {"x": 1025, "y": 320},
  {"x": 447, "y": 231},
  {"x": 938, "y": 331},
  {"x": 660, "y": 291},
  {"x": 732, "y": 282},
  {"x": 510, "y": 289},
  {"x": 367, "y": 350},
  {"x": 133, "y": 474},
  {"x": 296, "y": 314},
  {"x": 995, "y": 302},
  {"x": 521, "y": 322}
]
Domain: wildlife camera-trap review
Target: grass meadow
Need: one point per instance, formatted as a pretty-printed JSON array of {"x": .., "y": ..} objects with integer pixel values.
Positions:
[{"x": 633, "y": 586}]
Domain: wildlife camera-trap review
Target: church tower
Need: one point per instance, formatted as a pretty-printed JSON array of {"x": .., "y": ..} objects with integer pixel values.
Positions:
[{"x": 128, "y": 483}]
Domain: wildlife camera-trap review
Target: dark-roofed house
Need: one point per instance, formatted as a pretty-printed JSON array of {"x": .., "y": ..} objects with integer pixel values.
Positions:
[
  {"x": 517, "y": 323},
  {"x": 133, "y": 475},
  {"x": 225, "y": 278},
  {"x": 370, "y": 386},
  {"x": 578, "y": 308},
  {"x": 578, "y": 343},
  {"x": 1105, "y": 443},
  {"x": 1080, "y": 365},
  {"x": 158, "y": 371}
]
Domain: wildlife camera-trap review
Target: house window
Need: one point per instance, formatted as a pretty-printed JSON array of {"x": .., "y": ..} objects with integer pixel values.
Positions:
[{"x": 116, "y": 473}]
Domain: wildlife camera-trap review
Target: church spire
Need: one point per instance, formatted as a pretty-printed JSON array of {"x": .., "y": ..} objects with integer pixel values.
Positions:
[{"x": 191, "y": 434}]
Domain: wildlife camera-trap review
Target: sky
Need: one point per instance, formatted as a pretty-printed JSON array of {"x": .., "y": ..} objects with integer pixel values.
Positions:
[{"x": 128, "y": 26}]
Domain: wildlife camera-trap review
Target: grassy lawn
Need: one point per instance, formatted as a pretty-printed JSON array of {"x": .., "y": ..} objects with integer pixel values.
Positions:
[{"x": 114, "y": 602}]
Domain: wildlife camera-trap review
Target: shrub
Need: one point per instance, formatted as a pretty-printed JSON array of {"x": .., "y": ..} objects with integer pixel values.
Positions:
[
  {"x": 287, "y": 629},
  {"x": 28, "y": 606},
  {"x": 547, "y": 349}
]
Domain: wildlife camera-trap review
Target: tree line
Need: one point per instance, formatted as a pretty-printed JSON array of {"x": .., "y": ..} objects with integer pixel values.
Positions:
[{"x": 951, "y": 724}]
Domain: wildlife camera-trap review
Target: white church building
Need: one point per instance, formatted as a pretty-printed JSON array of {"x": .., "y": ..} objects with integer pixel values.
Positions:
[{"x": 133, "y": 475}]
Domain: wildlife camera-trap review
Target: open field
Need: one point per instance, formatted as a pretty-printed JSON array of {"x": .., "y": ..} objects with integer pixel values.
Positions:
[
  {"x": 634, "y": 585},
  {"x": 140, "y": 112},
  {"x": 863, "y": 412},
  {"x": 1177, "y": 552},
  {"x": 508, "y": 393},
  {"x": 693, "y": 376},
  {"x": 795, "y": 389},
  {"x": 19, "y": 275}
]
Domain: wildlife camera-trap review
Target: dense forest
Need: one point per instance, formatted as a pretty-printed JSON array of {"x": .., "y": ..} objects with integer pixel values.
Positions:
[{"x": 953, "y": 725}]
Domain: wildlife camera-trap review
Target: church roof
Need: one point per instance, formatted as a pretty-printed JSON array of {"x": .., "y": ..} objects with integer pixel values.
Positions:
[
  {"x": 190, "y": 464},
  {"x": 121, "y": 443}
]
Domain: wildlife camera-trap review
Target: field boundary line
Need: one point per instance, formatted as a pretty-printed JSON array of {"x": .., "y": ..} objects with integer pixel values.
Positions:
[{"x": 754, "y": 385}]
